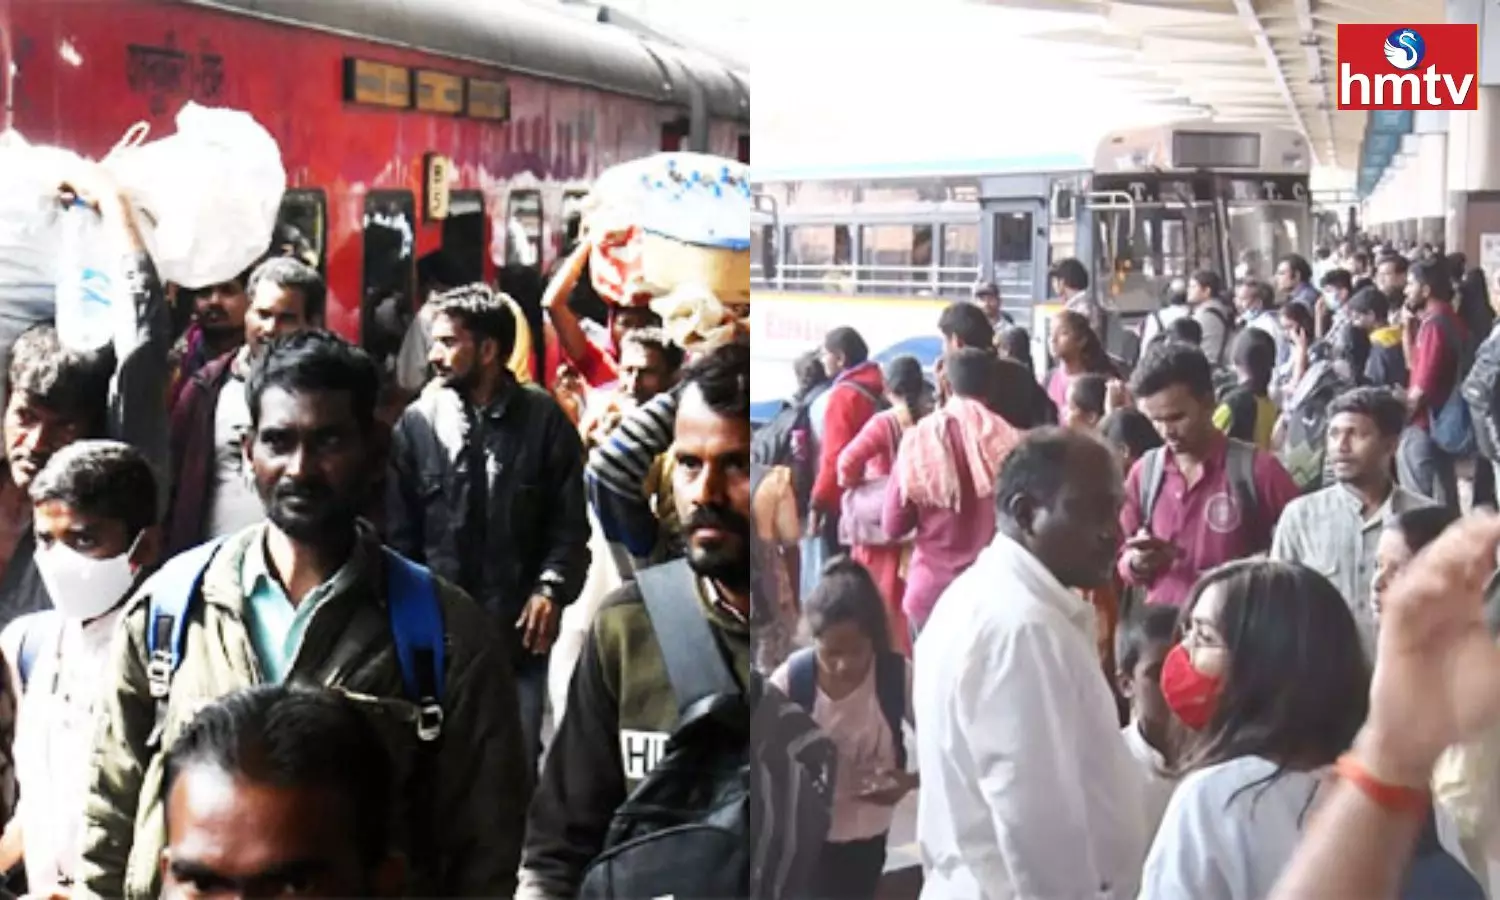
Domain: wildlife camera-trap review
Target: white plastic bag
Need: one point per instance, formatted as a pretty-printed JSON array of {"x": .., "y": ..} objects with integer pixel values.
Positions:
[
  {"x": 29, "y": 237},
  {"x": 93, "y": 290},
  {"x": 212, "y": 192}
]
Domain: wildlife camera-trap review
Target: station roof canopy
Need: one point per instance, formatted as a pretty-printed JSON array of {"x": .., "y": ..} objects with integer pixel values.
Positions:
[{"x": 1269, "y": 61}]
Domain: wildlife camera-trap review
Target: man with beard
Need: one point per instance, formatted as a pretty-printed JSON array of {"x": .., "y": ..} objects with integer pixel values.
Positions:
[
  {"x": 311, "y": 597},
  {"x": 212, "y": 495},
  {"x": 621, "y": 705},
  {"x": 218, "y": 329},
  {"x": 486, "y": 487}
]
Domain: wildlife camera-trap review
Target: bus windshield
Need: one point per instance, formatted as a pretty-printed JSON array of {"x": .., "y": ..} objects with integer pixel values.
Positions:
[
  {"x": 1260, "y": 233},
  {"x": 1168, "y": 242}
]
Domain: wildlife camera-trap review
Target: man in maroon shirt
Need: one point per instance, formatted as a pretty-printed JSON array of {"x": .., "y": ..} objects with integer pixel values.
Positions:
[
  {"x": 1434, "y": 337},
  {"x": 1200, "y": 518}
]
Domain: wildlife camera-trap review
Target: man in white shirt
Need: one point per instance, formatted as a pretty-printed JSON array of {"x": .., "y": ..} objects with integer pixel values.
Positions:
[
  {"x": 94, "y": 515},
  {"x": 1027, "y": 790},
  {"x": 1335, "y": 530}
]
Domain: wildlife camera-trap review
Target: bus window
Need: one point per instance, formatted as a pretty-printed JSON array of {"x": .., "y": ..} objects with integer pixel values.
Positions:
[
  {"x": 463, "y": 235},
  {"x": 762, "y": 253},
  {"x": 386, "y": 305},
  {"x": 818, "y": 257},
  {"x": 1013, "y": 237},
  {"x": 523, "y": 224},
  {"x": 302, "y": 227},
  {"x": 895, "y": 259},
  {"x": 959, "y": 268}
]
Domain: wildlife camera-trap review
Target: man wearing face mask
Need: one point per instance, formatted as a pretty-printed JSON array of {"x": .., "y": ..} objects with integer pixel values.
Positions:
[
  {"x": 94, "y": 515},
  {"x": 1331, "y": 311}
]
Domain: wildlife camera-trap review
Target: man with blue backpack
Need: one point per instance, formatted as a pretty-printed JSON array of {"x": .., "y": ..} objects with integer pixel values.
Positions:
[{"x": 312, "y": 598}]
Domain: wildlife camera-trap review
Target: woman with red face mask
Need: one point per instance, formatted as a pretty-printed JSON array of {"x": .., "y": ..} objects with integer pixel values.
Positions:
[{"x": 1271, "y": 681}]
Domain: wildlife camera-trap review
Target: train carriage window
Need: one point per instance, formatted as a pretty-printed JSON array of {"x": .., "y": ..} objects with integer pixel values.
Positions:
[
  {"x": 302, "y": 227},
  {"x": 463, "y": 235},
  {"x": 523, "y": 229},
  {"x": 572, "y": 217},
  {"x": 386, "y": 305}
]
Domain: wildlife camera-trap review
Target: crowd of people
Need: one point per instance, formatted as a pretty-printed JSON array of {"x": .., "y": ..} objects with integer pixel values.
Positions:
[
  {"x": 278, "y": 622},
  {"x": 1137, "y": 604}
]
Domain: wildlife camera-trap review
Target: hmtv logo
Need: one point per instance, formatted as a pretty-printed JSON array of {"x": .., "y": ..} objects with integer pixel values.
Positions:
[{"x": 1408, "y": 67}]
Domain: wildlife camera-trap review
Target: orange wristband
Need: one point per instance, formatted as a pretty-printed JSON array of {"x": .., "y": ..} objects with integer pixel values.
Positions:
[{"x": 1392, "y": 797}]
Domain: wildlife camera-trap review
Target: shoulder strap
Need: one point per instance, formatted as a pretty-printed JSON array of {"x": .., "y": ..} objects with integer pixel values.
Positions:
[
  {"x": 689, "y": 649},
  {"x": 1213, "y": 307},
  {"x": 890, "y": 691},
  {"x": 876, "y": 401},
  {"x": 1153, "y": 470},
  {"x": 173, "y": 588},
  {"x": 1239, "y": 462},
  {"x": 802, "y": 678},
  {"x": 417, "y": 628}
]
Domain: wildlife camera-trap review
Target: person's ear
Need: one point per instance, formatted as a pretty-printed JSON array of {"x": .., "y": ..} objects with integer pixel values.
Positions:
[
  {"x": 1125, "y": 683},
  {"x": 148, "y": 550},
  {"x": 1023, "y": 511}
]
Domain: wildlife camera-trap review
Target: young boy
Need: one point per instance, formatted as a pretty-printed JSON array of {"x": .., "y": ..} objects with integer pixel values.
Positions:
[
  {"x": 94, "y": 513},
  {"x": 1141, "y": 643}
]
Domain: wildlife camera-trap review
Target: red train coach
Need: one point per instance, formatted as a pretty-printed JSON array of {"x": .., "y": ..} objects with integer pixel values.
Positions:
[{"x": 372, "y": 103}]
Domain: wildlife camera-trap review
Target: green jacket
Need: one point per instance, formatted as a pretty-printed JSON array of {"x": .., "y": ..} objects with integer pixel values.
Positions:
[{"x": 476, "y": 780}]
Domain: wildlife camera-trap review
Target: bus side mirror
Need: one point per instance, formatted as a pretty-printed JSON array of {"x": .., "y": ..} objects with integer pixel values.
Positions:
[{"x": 1063, "y": 202}]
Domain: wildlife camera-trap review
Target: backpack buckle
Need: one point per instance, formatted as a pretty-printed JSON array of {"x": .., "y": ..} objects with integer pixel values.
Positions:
[
  {"x": 429, "y": 720},
  {"x": 159, "y": 674}
]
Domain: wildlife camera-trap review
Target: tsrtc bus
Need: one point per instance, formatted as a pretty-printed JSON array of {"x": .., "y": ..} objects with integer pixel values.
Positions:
[{"x": 884, "y": 249}]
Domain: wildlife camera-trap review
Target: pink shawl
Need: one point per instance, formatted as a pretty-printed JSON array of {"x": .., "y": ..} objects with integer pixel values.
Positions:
[{"x": 926, "y": 469}]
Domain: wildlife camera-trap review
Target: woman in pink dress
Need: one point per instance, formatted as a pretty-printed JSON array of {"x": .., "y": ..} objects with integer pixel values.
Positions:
[
  {"x": 871, "y": 457},
  {"x": 1078, "y": 351}
]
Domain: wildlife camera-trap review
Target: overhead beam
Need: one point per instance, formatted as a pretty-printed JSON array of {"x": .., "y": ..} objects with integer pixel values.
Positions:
[
  {"x": 1248, "y": 15},
  {"x": 1312, "y": 43}
]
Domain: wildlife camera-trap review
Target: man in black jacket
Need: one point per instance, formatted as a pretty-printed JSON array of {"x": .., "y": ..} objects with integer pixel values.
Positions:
[{"x": 486, "y": 487}]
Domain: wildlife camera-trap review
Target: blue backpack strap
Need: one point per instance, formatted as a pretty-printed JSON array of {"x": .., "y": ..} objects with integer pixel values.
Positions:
[
  {"x": 417, "y": 628},
  {"x": 802, "y": 678},
  {"x": 890, "y": 691},
  {"x": 173, "y": 588}
]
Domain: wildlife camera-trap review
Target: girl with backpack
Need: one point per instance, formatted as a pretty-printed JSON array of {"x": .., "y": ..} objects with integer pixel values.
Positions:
[{"x": 858, "y": 689}]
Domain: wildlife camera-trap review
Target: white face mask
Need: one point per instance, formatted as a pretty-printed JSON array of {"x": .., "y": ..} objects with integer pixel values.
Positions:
[{"x": 81, "y": 587}]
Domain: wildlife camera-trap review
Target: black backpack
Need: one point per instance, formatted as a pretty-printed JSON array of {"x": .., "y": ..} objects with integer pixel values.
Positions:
[
  {"x": 686, "y": 830},
  {"x": 788, "y": 440},
  {"x": 1479, "y": 389}
]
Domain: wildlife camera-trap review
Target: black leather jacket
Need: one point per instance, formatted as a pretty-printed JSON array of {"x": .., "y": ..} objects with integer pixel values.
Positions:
[{"x": 531, "y": 534}]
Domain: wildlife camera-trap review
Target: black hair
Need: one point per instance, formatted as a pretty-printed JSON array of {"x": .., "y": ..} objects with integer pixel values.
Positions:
[
  {"x": 1338, "y": 279},
  {"x": 1148, "y": 625},
  {"x": 904, "y": 379},
  {"x": 968, "y": 323},
  {"x": 1361, "y": 258},
  {"x": 971, "y": 372},
  {"x": 846, "y": 592},
  {"x": 1037, "y": 467},
  {"x": 70, "y": 382},
  {"x": 1264, "y": 293},
  {"x": 1362, "y": 282},
  {"x": 1209, "y": 280},
  {"x": 1420, "y": 527},
  {"x": 1435, "y": 275},
  {"x": 1378, "y": 404},
  {"x": 722, "y": 376},
  {"x": 1373, "y": 301},
  {"x": 1131, "y": 429},
  {"x": 316, "y": 360},
  {"x": 107, "y": 479},
  {"x": 1186, "y": 330},
  {"x": 293, "y": 275},
  {"x": 1299, "y": 266},
  {"x": 1015, "y": 343},
  {"x": 482, "y": 313},
  {"x": 1255, "y": 352},
  {"x": 654, "y": 339},
  {"x": 1095, "y": 357},
  {"x": 1072, "y": 273},
  {"x": 1297, "y": 685},
  {"x": 1088, "y": 392},
  {"x": 1397, "y": 261},
  {"x": 1300, "y": 316},
  {"x": 1170, "y": 364},
  {"x": 294, "y": 738},
  {"x": 848, "y": 343},
  {"x": 810, "y": 373}
]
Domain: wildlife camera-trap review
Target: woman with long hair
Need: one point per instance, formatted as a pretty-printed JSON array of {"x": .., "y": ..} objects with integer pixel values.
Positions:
[
  {"x": 1270, "y": 682},
  {"x": 1078, "y": 351},
  {"x": 864, "y": 467}
]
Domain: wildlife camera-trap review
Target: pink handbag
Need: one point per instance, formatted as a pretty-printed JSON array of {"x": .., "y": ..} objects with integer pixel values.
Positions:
[{"x": 863, "y": 506}]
